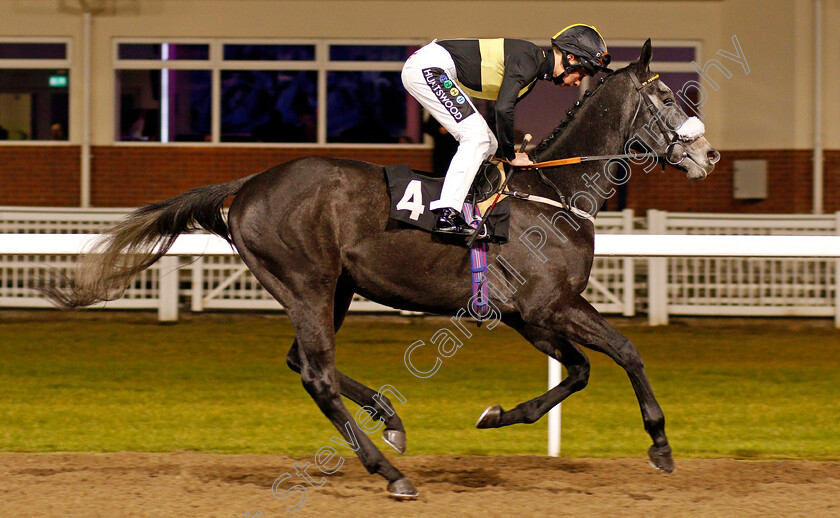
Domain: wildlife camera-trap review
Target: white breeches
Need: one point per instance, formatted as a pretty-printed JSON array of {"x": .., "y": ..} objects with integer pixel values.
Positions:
[{"x": 429, "y": 76}]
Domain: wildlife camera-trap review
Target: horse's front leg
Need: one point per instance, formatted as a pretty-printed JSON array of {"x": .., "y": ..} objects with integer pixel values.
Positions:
[
  {"x": 581, "y": 323},
  {"x": 557, "y": 347}
]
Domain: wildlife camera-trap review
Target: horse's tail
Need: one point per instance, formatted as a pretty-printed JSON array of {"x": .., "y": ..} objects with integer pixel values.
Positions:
[{"x": 140, "y": 239}]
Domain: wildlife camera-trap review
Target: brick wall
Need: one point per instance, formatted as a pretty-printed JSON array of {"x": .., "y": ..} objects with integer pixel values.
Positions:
[
  {"x": 831, "y": 184},
  {"x": 788, "y": 186},
  {"x": 127, "y": 176},
  {"x": 42, "y": 176}
]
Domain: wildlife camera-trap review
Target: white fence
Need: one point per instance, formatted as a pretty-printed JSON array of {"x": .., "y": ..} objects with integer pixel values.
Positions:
[
  {"x": 661, "y": 286},
  {"x": 748, "y": 286},
  {"x": 223, "y": 281},
  {"x": 19, "y": 271}
]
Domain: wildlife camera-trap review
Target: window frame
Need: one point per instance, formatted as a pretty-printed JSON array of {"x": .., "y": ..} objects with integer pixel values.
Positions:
[
  {"x": 660, "y": 67},
  {"x": 540, "y": 128},
  {"x": 677, "y": 66},
  {"x": 37, "y": 64},
  {"x": 216, "y": 64},
  {"x": 322, "y": 65}
]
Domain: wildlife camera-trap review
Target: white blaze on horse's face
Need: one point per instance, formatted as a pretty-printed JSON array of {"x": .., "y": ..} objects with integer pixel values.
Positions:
[{"x": 692, "y": 128}]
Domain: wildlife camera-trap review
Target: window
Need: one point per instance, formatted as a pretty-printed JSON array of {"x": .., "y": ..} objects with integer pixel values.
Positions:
[
  {"x": 269, "y": 105},
  {"x": 269, "y": 52},
  {"x": 366, "y": 101},
  {"x": 163, "y": 92},
  {"x": 671, "y": 60},
  {"x": 269, "y": 93},
  {"x": 34, "y": 89},
  {"x": 264, "y": 91}
]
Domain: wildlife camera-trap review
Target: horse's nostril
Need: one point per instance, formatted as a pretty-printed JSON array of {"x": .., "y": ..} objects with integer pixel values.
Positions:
[{"x": 713, "y": 156}]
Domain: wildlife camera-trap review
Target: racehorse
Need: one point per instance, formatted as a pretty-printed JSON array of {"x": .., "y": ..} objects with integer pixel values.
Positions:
[{"x": 315, "y": 231}]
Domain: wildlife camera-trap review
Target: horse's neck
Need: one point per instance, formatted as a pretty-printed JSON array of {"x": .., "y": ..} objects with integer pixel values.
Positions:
[{"x": 596, "y": 127}]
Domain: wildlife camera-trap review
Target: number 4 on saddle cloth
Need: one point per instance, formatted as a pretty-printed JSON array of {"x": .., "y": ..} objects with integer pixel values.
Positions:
[{"x": 412, "y": 191}]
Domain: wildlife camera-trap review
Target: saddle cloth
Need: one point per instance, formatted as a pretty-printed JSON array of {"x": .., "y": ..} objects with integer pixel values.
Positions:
[{"x": 411, "y": 192}]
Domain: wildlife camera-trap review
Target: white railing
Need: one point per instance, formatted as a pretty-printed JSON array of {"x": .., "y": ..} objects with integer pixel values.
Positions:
[
  {"x": 47, "y": 220},
  {"x": 662, "y": 286},
  {"x": 223, "y": 282},
  {"x": 19, "y": 271},
  {"x": 611, "y": 287},
  {"x": 746, "y": 285}
]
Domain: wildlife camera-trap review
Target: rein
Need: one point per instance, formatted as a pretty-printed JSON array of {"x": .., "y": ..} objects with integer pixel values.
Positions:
[
  {"x": 579, "y": 159},
  {"x": 677, "y": 137}
]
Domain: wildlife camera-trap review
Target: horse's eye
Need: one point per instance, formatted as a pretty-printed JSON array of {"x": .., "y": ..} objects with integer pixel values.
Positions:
[{"x": 668, "y": 102}]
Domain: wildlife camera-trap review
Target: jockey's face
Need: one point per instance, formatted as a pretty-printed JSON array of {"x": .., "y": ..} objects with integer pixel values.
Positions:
[{"x": 572, "y": 79}]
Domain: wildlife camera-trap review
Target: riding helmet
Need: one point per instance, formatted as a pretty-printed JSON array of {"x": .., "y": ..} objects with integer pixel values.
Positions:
[{"x": 585, "y": 43}]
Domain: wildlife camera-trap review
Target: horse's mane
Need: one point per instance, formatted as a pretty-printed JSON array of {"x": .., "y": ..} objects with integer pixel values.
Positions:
[{"x": 570, "y": 114}]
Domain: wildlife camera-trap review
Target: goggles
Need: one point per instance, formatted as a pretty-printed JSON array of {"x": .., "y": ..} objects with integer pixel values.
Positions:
[
  {"x": 600, "y": 62},
  {"x": 590, "y": 65}
]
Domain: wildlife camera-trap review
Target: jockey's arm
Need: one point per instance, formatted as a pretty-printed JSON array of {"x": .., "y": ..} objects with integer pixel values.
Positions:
[
  {"x": 509, "y": 90},
  {"x": 503, "y": 109}
]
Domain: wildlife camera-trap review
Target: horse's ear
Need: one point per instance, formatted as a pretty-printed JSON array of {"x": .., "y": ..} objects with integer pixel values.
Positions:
[{"x": 647, "y": 53}]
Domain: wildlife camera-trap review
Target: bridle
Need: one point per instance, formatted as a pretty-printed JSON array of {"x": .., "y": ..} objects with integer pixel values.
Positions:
[
  {"x": 675, "y": 138},
  {"x": 689, "y": 130}
]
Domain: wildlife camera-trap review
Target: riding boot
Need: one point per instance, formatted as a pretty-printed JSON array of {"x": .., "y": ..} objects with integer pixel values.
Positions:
[{"x": 450, "y": 221}]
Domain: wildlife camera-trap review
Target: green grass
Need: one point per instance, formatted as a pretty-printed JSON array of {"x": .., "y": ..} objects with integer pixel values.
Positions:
[{"x": 218, "y": 383}]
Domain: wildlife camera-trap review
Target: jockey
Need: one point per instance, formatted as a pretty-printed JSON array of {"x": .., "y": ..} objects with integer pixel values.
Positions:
[{"x": 444, "y": 75}]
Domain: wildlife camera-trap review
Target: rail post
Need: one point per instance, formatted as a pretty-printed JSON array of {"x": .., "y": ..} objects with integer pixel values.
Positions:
[
  {"x": 555, "y": 376},
  {"x": 657, "y": 274},
  {"x": 197, "y": 285},
  {"x": 168, "y": 289},
  {"x": 628, "y": 268},
  {"x": 837, "y": 276}
]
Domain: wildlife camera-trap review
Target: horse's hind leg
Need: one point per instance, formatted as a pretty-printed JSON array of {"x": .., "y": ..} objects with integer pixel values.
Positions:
[
  {"x": 312, "y": 311},
  {"x": 583, "y": 324},
  {"x": 557, "y": 347},
  {"x": 316, "y": 345},
  {"x": 362, "y": 395}
]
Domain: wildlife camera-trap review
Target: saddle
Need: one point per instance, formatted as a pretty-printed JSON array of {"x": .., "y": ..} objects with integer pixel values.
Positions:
[
  {"x": 488, "y": 181},
  {"x": 411, "y": 192}
]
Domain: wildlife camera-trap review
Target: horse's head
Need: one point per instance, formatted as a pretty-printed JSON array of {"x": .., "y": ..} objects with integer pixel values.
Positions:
[{"x": 660, "y": 126}]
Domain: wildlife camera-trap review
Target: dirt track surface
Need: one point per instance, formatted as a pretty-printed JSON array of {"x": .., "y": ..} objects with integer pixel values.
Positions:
[{"x": 199, "y": 485}]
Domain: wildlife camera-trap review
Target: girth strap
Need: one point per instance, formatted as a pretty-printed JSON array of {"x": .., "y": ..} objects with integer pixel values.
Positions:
[{"x": 548, "y": 201}]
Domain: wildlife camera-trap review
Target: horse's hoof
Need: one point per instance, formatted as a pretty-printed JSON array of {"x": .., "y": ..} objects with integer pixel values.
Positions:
[
  {"x": 490, "y": 418},
  {"x": 395, "y": 439},
  {"x": 402, "y": 489},
  {"x": 661, "y": 459}
]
